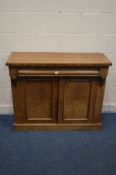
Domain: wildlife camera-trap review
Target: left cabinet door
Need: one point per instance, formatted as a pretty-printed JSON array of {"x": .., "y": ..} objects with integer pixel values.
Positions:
[{"x": 35, "y": 100}]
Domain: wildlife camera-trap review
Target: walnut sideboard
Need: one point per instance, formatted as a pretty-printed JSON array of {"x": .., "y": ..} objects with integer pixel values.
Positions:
[{"x": 57, "y": 91}]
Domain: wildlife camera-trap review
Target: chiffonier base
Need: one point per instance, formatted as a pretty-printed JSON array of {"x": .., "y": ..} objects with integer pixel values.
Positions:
[
  {"x": 55, "y": 127},
  {"x": 57, "y": 91}
]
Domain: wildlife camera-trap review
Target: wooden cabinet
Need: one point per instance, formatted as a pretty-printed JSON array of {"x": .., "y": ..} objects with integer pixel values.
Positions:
[{"x": 57, "y": 91}]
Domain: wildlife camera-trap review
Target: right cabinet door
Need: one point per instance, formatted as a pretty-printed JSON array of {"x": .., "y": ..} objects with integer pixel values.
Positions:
[{"x": 77, "y": 100}]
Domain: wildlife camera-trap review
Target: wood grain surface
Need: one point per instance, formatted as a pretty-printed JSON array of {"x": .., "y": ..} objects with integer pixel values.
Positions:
[
  {"x": 59, "y": 59},
  {"x": 57, "y": 91}
]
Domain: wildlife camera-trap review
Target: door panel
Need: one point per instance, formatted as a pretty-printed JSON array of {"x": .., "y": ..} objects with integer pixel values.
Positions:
[
  {"x": 41, "y": 100},
  {"x": 75, "y": 100}
]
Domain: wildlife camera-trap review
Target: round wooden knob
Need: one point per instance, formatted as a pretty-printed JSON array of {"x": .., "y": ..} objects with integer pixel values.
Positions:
[{"x": 56, "y": 72}]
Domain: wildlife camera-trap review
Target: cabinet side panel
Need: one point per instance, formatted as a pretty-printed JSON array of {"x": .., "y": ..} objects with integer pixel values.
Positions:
[
  {"x": 18, "y": 92},
  {"x": 99, "y": 101}
]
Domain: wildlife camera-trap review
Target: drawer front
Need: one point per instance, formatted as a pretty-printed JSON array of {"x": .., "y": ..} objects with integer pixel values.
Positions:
[{"x": 58, "y": 72}]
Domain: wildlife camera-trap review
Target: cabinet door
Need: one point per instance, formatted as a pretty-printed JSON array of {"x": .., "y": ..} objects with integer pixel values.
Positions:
[
  {"x": 76, "y": 100},
  {"x": 35, "y": 100},
  {"x": 41, "y": 100}
]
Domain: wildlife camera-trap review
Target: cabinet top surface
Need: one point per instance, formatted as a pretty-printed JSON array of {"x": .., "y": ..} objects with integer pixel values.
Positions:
[{"x": 57, "y": 59}]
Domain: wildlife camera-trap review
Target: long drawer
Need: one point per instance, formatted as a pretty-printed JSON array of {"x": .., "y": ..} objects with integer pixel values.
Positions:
[{"x": 58, "y": 72}]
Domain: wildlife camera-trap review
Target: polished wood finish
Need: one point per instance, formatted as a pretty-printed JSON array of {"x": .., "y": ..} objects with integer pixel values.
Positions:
[
  {"x": 57, "y": 91},
  {"x": 41, "y": 100},
  {"x": 59, "y": 59},
  {"x": 78, "y": 98},
  {"x": 56, "y": 127},
  {"x": 59, "y": 72}
]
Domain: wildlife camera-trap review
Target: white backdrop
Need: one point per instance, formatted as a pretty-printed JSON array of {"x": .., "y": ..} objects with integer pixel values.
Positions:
[{"x": 57, "y": 25}]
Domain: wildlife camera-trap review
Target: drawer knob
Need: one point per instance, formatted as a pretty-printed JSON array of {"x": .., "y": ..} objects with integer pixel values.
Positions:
[{"x": 56, "y": 72}]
